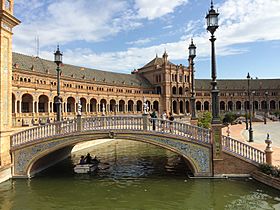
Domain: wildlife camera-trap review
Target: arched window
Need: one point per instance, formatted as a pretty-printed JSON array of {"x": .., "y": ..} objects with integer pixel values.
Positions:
[
  {"x": 180, "y": 91},
  {"x": 198, "y": 106},
  {"x": 174, "y": 90}
]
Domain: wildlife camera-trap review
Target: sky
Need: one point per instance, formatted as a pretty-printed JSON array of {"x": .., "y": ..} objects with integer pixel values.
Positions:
[{"x": 123, "y": 35}]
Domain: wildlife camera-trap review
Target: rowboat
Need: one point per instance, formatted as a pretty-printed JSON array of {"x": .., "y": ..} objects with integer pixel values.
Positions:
[{"x": 85, "y": 168}]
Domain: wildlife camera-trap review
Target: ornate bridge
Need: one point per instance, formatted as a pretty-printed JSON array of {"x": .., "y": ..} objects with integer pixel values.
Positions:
[{"x": 35, "y": 149}]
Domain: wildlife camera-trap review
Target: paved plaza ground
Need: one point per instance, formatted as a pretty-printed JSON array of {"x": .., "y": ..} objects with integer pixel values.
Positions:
[{"x": 260, "y": 131}]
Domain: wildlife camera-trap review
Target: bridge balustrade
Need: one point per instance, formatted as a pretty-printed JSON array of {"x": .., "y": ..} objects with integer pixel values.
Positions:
[
  {"x": 132, "y": 123},
  {"x": 135, "y": 123},
  {"x": 112, "y": 123},
  {"x": 246, "y": 151},
  {"x": 45, "y": 131},
  {"x": 181, "y": 129}
]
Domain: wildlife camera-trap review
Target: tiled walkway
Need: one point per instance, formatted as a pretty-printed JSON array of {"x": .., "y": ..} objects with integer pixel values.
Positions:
[{"x": 260, "y": 131}]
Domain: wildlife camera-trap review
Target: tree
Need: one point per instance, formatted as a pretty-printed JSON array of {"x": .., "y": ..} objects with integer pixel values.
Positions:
[
  {"x": 229, "y": 117},
  {"x": 205, "y": 120}
]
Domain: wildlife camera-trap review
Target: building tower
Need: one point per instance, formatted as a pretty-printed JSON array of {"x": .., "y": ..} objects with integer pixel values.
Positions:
[
  {"x": 8, "y": 21},
  {"x": 166, "y": 93}
]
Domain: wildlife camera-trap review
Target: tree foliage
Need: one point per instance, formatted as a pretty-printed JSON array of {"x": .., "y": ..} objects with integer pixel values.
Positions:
[
  {"x": 229, "y": 117},
  {"x": 205, "y": 120}
]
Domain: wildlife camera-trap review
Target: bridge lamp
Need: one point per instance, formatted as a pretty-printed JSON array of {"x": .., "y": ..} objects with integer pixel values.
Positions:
[
  {"x": 250, "y": 114},
  {"x": 192, "y": 55},
  {"x": 212, "y": 25},
  {"x": 212, "y": 19},
  {"x": 266, "y": 107},
  {"x": 58, "y": 61},
  {"x": 253, "y": 94}
]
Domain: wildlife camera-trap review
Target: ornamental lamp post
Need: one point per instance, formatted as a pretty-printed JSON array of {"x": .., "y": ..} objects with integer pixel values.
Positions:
[
  {"x": 266, "y": 107},
  {"x": 192, "y": 55},
  {"x": 250, "y": 114},
  {"x": 212, "y": 25},
  {"x": 58, "y": 61},
  {"x": 253, "y": 94}
]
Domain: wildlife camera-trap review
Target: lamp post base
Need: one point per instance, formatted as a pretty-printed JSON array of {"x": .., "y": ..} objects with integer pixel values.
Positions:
[
  {"x": 194, "y": 121},
  {"x": 251, "y": 135}
]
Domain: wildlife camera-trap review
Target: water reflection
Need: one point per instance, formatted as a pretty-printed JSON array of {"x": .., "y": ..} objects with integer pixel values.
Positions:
[{"x": 140, "y": 176}]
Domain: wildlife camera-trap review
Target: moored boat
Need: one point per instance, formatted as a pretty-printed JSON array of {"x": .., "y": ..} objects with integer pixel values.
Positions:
[{"x": 85, "y": 168}]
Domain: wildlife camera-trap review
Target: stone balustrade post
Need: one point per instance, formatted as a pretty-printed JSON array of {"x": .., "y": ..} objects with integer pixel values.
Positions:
[
  {"x": 79, "y": 123},
  {"x": 268, "y": 150},
  {"x": 58, "y": 128},
  {"x": 145, "y": 121}
]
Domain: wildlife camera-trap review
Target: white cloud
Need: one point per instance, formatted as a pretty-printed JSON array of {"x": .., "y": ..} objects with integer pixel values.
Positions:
[
  {"x": 140, "y": 41},
  {"x": 154, "y": 9},
  {"x": 68, "y": 21},
  {"x": 240, "y": 22},
  {"x": 249, "y": 21}
]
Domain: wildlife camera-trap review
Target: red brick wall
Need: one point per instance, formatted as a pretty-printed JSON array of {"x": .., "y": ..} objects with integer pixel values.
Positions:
[{"x": 230, "y": 164}]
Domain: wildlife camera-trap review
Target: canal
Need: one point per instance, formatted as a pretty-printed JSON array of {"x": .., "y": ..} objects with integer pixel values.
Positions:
[{"x": 133, "y": 176}]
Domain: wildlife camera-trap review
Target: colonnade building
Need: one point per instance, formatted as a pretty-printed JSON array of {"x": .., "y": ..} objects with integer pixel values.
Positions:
[{"x": 160, "y": 83}]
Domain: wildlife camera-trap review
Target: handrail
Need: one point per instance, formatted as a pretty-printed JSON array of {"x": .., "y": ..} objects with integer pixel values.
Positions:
[
  {"x": 131, "y": 123},
  {"x": 45, "y": 131},
  {"x": 180, "y": 129},
  {"x": 244, "y": 150}
]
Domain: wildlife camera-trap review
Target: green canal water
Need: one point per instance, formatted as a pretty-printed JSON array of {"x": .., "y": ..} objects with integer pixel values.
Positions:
[{"x": 140, "y": 176}]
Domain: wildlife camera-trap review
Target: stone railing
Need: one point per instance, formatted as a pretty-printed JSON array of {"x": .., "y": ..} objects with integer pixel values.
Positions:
[
  {"x": 244, "y": 150},
  {"x": 131, "y": 123},
  {"x": 146, "y": 124},
  {"x": 112, "y": 123},
  {"x": 180, "y": 129},
  {"x": 45, "y": 131}
]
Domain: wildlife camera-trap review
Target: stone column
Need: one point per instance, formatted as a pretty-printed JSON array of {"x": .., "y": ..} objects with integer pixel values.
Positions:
[
  {"x": 49, "y": 107},
  {"x": 16, "y": 107},
  {"x": 20, "y": 106},
  {"x": 33, "y": 107},
  {"x": 37, "y": 107}
]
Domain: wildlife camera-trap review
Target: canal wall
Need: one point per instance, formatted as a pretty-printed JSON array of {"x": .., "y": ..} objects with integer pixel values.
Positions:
[
  {"x": 266, "y": 179},
  {"x": 5, "y": 173},
  {"x": 230, "y": 165}
]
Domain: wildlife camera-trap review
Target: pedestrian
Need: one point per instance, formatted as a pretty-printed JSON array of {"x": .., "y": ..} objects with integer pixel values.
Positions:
[
  {"x": 171, "y": 119},
  {"x": 154, "y": 116},
  {"x": 164, "y": 118}
]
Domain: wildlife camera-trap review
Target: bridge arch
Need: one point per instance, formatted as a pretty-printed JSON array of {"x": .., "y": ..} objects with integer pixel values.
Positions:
[
  {"x": 31, "y": 147},
  {"x": 34, "y": 158}
]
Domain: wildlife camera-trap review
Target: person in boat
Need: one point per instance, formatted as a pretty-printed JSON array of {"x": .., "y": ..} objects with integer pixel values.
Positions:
[
  {"x": 88, "y": 159},
  {"x": 95, "y": 160},
  {"x": 82, "y": 160}
]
